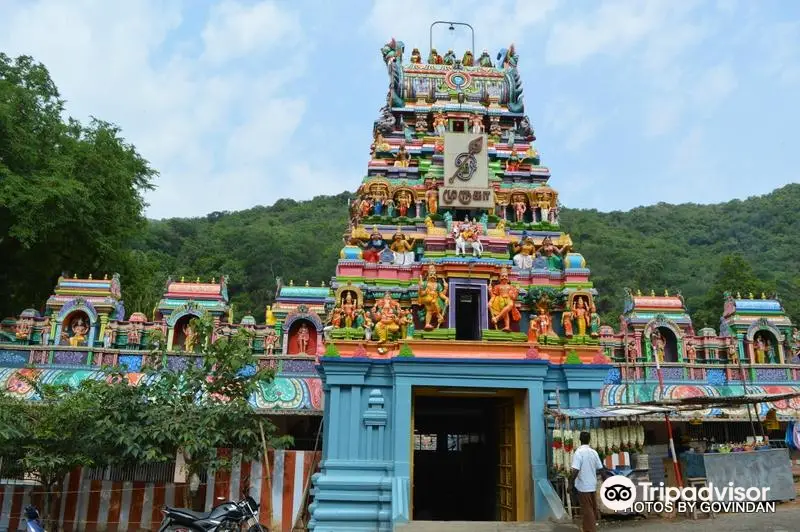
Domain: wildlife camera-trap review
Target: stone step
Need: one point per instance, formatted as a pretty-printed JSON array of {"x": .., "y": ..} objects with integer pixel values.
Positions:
[{"x": 484, "y": 526}]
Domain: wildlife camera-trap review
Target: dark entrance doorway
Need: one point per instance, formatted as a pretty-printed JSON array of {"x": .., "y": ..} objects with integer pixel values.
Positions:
[
  {"x": 455, "y": 458},
  {"x": 468, "y": 314}
]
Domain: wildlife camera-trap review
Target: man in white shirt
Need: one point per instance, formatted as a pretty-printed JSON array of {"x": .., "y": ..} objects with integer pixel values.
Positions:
[{"x": 585, "y": 463}]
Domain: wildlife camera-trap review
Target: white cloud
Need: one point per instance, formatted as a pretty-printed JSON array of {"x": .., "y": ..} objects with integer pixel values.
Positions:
[
  {"x": 570, "y": 124},
  {"x": 236, "y": 29}
]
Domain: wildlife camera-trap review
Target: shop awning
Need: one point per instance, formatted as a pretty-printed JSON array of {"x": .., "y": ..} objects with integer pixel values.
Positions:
[
  {"x": 609, "y": 411},
  {"x": 711, "y": 401}
]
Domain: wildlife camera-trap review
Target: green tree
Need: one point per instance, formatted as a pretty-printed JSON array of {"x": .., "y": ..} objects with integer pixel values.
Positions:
[
  {"x": 202, "y": 407},
  {"x": 70, "y": 194},
  {"x": 734, "y": 274}
]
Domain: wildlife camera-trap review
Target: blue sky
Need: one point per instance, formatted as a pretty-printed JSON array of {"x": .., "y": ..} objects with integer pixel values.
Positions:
[{"x": 239, "y": 103}]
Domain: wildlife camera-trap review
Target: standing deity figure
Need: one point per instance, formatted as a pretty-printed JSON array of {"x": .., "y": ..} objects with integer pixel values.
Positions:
[
  {"x": 581, "y": 315},
  {"x": 512, "y": 164},
  {"x": 349, "y": 310},
  {"x": 403, "y": 202},
  {"x": 403, "y": 254},
  {"x": 657, "y": 344},
  {"x": 374, "y": 246},
  {"x": 503, "y": 302},
  {"x": 449, "y": 57},
  {"x": 270, "y": 341},
  {"x": 303, "y": 338},
  {"x": 485, "y": 60},
  {"x": 189, "y": 338},
  {"x": 432, "y": 200},
  {"x": 733, "y": 352},
  {"x": 524, "y": 251},
  {"x": 594, "y": 321},
  {"x": 477, "y": 124},
  {"x": 365, "y": 206},
  {"x": 566, "y": 322},
  {"x": 432, "y": 296},
  {"x": 760, "y": 350},
  {"x": 416, "y": 57},
  {"x": 691, "y": 352},
  {"x": 401, "y": 160},
  {"x": 533, "y": 329},
  {"x": 440, "y": 124},
  {"x": 520, "y": 207}
]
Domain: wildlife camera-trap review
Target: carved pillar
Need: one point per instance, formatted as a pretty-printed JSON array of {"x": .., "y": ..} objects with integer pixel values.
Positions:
[
  {"x": 417, "y": 204},
  {"x": 103, "y": 325}
]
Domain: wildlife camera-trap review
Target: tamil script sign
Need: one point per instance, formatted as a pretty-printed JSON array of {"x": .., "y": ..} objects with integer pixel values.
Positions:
[{"x": 479, "y": 198}]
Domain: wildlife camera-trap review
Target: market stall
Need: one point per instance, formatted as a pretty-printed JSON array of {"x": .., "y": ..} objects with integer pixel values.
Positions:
[
  {"x": 616, "y": 434},
  {"x": 756, "y": 461}
]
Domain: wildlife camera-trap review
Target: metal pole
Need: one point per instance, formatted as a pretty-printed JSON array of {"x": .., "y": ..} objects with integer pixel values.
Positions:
[
  {"x": 676, "y": 467},
  {"x": 453, "y": 24}
]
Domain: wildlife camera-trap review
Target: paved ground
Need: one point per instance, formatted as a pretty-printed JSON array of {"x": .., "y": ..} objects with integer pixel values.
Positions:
[{"x": 785, "y": 519}]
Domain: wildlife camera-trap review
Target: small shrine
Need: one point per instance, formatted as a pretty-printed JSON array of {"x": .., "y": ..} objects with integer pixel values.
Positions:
[
  {"x": 759, "y": 327},
  {"x": 185, "y": 300}
]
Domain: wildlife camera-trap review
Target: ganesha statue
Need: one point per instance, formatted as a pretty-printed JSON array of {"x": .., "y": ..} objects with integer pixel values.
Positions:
[
  {"x": 387, "y": 316},
  {"x": 432, "y": 296}
]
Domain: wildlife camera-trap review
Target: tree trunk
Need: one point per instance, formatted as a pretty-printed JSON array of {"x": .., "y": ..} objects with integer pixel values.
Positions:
[{"x": 51, "y": 505}]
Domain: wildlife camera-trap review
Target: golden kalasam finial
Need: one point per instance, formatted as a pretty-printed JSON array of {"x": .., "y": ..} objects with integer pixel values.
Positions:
[
  {"x": 638, "y": 291},
  {"x": 197, "y": 280},
  {"x": 183, "y": 279},
  {"x": 652, "y": 293},
  {"x": 75, "y": 276},
  {"x": 666, "y": 292},
  {"x": 90, "y": 276},
  {"x": 213, "y": 280},
  {"x": 291, "y": 282},
  {"x": 763, "y": 295},
  {"x": 323, "y": 284},
  {"x": 105, "y": 277},
  {"x": 751, "y": 295},
  {"x": 307, "y": 283}
]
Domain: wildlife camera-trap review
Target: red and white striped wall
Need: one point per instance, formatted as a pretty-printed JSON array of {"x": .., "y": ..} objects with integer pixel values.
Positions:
[{"x": 104, "y": 505}]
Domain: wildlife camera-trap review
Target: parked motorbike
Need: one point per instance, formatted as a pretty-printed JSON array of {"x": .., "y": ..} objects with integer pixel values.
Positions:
[
  {"x": 226, "y": 517},
  {"x": 33, "y": 521}
]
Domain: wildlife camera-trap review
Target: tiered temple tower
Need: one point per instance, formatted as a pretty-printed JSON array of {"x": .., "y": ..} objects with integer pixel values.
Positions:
[{"x": 456, "y": 297}]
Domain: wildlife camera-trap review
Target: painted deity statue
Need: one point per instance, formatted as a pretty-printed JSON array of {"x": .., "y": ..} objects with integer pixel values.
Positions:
[
  {"x": 524, "y": 251},
  {"x": 404, "y": 202},
  {"x": 476, "y": 123},
  {"x": 503, "y": 302},
  {"x": 485, "y": 60},
  {"x": 402, "y": 158},
  {"x": 520, "y": 207},
  {"x": 79, "y": 330},
  {"x": 22, "y": 329},
  {"x": 349, "y": 310},
  {"x": 270, "y": 341},
  {"x": 402, "y": 249},
  {"x": 434, "y": 58},
  {"x": 440, "y": 124},
  {"x": 432, "y": 200},
  {"x": 594, "y": 321},
  {"x": 374, "y": 246},
  {"x": 468, "y": 60},
  {"x": 416, "y": 57},
  {"x": 544, "y": 324},
  {"x": 449, "y": 57},
  {"x": 760, "y": 349},
  {"x": 552, "y": 253},
  {"x": 432, "y": 296},
  {"x": 386, "y": 312},
  {"x": 657, "y": 344},
  {"x": 512, "y": 164},
  {"x": 407, "y": 324},
  {"x": 189, "y": 338},
  {"x": 303, "y": 338},
  {"x": 581, "y": 315},
  {"x": 566, "y": 321},
  {"x": 732, "y": 352}
]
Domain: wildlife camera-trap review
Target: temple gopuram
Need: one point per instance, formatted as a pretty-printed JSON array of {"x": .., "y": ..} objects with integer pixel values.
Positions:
[{"x": 458, "y": 312}]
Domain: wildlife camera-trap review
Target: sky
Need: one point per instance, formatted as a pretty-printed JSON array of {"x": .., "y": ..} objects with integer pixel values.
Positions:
[{"x": 239, "y": 103}]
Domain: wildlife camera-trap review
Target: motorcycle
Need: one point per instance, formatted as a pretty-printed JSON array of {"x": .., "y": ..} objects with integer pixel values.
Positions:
[
  {"x": 226, "y": 517},
  {"x": 32, "y": 520}
]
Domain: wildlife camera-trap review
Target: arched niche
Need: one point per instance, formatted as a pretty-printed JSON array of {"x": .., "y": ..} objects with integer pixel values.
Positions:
[
  {"x": 180, "y": 330},
  {"x": 766, "y": 341},
  {"x": 342, "y": 291},
  {"x": 292, "y": 328},
  {"x": 68, "y": 318},
  {"x": 670, "y": 337}
]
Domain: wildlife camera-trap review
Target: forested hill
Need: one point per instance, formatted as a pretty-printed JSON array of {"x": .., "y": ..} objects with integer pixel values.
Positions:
[{"x": 697, "y": 249}]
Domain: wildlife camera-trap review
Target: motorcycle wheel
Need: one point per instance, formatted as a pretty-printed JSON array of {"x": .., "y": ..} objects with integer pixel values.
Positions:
[{"x": 257, "y": 528}]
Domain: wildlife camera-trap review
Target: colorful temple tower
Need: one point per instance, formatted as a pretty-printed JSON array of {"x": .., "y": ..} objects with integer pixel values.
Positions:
[{"x": 458, "y": 307}]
